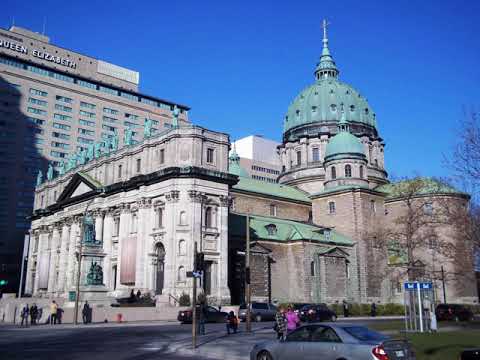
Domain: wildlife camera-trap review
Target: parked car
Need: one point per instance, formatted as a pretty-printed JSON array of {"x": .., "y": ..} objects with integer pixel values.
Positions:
[
  {"x": 259, "y": 311},
  {"x": 315, "y": 313},
  {"x": 453, "y": 312},
  {"x": 297, "y": 307},
  {"x": 213, "y": 315},
  {"x": 470, "y": 354},
  {"x": 331, "y": 342}
]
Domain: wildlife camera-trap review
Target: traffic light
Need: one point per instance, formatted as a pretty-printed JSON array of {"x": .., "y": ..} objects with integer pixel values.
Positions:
[{"x": 200, "y": 262}]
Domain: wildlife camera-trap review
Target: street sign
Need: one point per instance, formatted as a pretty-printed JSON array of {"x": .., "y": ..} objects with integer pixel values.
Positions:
[
  {"x": 196, "y": 274},
  {"x": 189, "y": 274},
  {"x": 410, "y": 286}
]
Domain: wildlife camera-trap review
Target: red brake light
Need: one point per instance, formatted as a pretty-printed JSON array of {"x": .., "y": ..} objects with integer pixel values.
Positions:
[{"x": 379, "y": 353}]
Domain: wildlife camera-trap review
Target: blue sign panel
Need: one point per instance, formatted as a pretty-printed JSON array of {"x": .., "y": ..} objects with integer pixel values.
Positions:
[{"x": 409, "y": 286}]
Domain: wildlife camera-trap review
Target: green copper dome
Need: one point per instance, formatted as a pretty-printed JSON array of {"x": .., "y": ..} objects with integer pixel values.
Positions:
[
  {"x": 327, "y": 98},
  {"x": 344, "y": 143},
  {"x": 234, "y": 165}
]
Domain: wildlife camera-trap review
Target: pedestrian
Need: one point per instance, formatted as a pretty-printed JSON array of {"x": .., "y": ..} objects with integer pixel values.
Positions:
[
  {"x": 33, "y": 314},
  {"x": 232, "y": 323},
  {"x": 53, "y": 313},
  {"x": 280, "y": 326},
  {"x": 59, "y": 315},
  {"x": 85, "y": 312},
  {"x": 24, "y": 315},
  {"x": 292, "y": 320},
  {"x": 202, "y": 318},
  {"x": 346, "y": 310},
  {"x": 132, "y": 296},
  {"x": 373, "y": 310},
  {"x": 138, "y": 294},
  {"x": 433, "y": 322}
]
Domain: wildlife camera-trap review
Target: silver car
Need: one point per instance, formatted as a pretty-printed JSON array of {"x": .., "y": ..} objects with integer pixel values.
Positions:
[{"x": 328, "y": 341}]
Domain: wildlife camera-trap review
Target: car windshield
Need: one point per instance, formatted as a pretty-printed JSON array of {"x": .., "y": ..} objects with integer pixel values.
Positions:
[{"x": 364, "y": 334}]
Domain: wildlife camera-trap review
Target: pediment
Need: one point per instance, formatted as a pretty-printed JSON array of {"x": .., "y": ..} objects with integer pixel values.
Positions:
[
  {"x": 335, "y": 252},
  {"x": 80, "y": 186}
]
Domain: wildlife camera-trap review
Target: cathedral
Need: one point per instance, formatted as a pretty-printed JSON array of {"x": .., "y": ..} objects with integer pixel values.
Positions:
[{"x": 127, "y": 215}]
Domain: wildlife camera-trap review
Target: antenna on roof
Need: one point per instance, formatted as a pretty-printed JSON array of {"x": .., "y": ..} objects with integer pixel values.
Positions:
[
  {"x": 44, "y": 25},
  {"x": 13, "y": 20}
]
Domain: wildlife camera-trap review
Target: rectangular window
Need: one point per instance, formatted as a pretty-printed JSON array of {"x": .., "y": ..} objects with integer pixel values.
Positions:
[
  {"x": 63, "y": 108},
  {"x": 129, "y": 96},
  {"x": 86, "y": 84},
  {"x": 210, "y": 153},
  {"x": 119, "y": 171},
  {"x": 116, "y": 226},
  {"x": 162, "y": 156},
  {"x": 84, "y": 140},
  {"x": 64, "y": 99},
  {"x": 61, "y": 126},
  {"x": 37, "y": 102},
  {"x": 299, "y": 157},
  {"x": 38, "y": 92},
  {"x": 315, "y": 154},
  {"x": 110, "y": 119},
  {"x": 331, "y": 207},
  {"x": 61, "y": 136},
  {"x": 131, "y": 116},
  {"x": 159, "y": 212},
  {"x": 60, "y": 145},
  {"x": 36, "y": 111},
  {"x": 130, "y": 124},
  {"x": 62, "y": 117},
  {"x": 139, "y": 165},
  {"x": 110, "y": 111},
  {"x": 36, "y": 121},
  {"x": 273, "y": 210},
  {"x": 149, "y": 102},
  {"x": 58, "y": 154},
  {"x": 86, "y": 132},
  {"x": 87, "y": 114},
  {"x": 86, "y": 105},
  {"x": 109, "y": 128},
  {"x": 108, "y": 90},
  {"x": 86, "y": 122}
]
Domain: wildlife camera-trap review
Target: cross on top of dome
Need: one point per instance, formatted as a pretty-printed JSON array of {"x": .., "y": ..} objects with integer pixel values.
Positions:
[{"x": 326, "y": 67}]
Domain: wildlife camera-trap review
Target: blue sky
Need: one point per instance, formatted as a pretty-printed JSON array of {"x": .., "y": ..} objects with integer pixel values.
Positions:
[{"x": 240, "y": 64}]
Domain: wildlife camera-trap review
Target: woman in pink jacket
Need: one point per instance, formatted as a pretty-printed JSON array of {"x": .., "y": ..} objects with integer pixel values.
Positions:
[{"x": 292, "y": 320}]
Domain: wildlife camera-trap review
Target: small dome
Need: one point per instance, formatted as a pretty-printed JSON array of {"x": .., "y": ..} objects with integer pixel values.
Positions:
[
  {"x": 234, "y": 167},
  {"x": 342, "y": 144}
]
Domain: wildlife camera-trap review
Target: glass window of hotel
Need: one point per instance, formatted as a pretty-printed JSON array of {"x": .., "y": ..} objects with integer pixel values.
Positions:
[
  {"x": 273, "y": 210},
  {"x": 119, "y": 171},
  {"x": 348, "y": 171},
  {"x": 182, "y": 247},
  {"x": 87, "y": 105},
  {"x": 64, "y": 99},
  {"x": 209, "y": 217},
  {"x": 116, "y": 226},
  {"x": 315, "y": 154},
  {"x": 110, "y": 111},
  {"x": 333, "y": 172},
  {"x": 162, "y": 156},
  {"x": 38, "y": 92},
  {"x": 299, "y": 157},
  {"x": 331, "y": 207},
  {"x": 134, "y": 224},
  {"x": 159, "y": 217},
  {"x": 361, "y": 171},
  {"x": 210, "y": 155}
]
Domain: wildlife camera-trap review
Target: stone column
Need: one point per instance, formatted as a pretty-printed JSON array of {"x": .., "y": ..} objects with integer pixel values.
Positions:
[
  {"x": 98, "y": 214},
  {"x": 41, "y": 276},
  {"x": 72, "y": 247},
  {"x": 107, "y": 248},
  {"x": 123, "y": 236},
  {"x": 223, "y": 292},
  {"x": 31, "y": 260},
  {"x": 63, "y": 256},
  {"x": 145, "y": 225},
  {"x": 169, "y": 239},
  {"x": 53, "y": 258}
]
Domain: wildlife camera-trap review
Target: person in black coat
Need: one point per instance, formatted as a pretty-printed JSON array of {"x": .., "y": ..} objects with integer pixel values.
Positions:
[{"x": 33, "y": 314}]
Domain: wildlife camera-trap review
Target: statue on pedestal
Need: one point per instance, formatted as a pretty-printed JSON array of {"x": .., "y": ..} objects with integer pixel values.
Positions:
[
  {"x": 115, "y": 142},
  {"x": 81, "y": 157},
  {"x": 61, "y": 168},
  {"x": 98, "y": 150},
  {"x": 88, "y": 231},
  {"x": 95, "y": 274},
  {"x": 127, "y": 137},
  {"x": 147, "y": 130},
  {"x": 90, "y": 151},
  {"x": 72, "y": 162},
  {"x": 175, "y": 113},
  {"x": 39, "y": 178},
  {"x": 50, "y": 172}
]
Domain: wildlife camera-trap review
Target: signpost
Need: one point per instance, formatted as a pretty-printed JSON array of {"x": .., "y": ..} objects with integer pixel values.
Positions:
[{"x": 418, "y": 305}]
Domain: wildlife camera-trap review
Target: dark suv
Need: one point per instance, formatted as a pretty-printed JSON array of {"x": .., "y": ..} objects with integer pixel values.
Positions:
[
  {"x": 318, "y": 312},
  {"x": 453, "y": 312},
  {"x": 258, "y": 311}
]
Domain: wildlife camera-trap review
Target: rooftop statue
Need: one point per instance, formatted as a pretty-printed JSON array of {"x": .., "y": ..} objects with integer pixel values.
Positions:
[
  {"x": 175, "y": 113},
  {"x": 90, "y": 151},
  {"x": 98, "y": 150},
  {"x": 50, "y": 172},
  {"x": 39, "y": 178},
  {"x": 72, "y": 162},
  {"x": 107, "y": 146},
  {"x": 61, "y": 168},
  {"x": 127, "y": 138},
  {"x": 81, "y": 157},
  {"x": 115, "y": 142},
  {"x": 147, "y": 130}
]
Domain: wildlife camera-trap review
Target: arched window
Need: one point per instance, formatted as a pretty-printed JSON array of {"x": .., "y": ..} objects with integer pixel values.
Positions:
[
  {"x": 208, "y": 217},
  {"x": 331, "y": 207},
  {"x": 134, "y": 224},
  {"x": 376, "y": 162},
  {"x": 159, "y": 217},
  {"x": 348, "y": 171},
  {"x": 312, "y": 268},
  {"x": 271, "y": 229},
  {"x": 181, "y": 274},
  {"x": 361, "y": 171},
  {"x": 315, "y": 154},
  {"x": 183, "y": 218},
  {"x": 334, "y": 172},
  {"x": 182, "y": 247}
]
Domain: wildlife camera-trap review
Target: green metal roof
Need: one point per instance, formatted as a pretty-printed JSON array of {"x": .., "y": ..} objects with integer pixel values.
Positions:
[
  {"x": 234, "y": 165},
  {"x": 421, "y": 186},
  {"x": 285, "y": 230},
  {"x": 344, "y": 143},
  {"x": 271, "y": 189}
]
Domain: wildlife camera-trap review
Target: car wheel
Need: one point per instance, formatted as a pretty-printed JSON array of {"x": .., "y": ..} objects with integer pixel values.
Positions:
[
  {"x": 258, "y": 318},
  {"x": 333, "y": 318},
  {"x": 264, "y": 355}
]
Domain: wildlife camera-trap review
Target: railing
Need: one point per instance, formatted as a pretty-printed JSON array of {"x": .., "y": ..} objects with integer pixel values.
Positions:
[{"x": 174, "y": 299}]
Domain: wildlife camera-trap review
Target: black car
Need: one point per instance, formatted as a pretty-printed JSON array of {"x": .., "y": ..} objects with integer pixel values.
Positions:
[
  {"x": 470, "y": 354},
  {"x": 297, "y": 307},
  {"x": 318, "y": 312},
  {"x": 454, "y": 312},
  {"x": 213, "y": 315}
]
